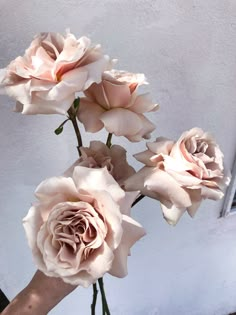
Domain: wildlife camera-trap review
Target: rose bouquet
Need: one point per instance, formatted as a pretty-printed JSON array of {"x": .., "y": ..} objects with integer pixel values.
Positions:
[{"x": 80, "y": 227}]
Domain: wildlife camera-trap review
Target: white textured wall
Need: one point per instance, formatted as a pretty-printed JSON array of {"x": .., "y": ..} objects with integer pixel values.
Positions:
[{"x": 187, "y": 49}]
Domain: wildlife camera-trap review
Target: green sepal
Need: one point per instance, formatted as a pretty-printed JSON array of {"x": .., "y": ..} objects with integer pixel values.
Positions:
[
  {"x": 58, "y": 130},
  {"x": 76, "y": 103}
]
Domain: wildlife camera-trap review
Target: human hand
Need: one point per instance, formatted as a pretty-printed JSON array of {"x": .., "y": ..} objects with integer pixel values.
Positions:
[{"x": 39, "y": 296}]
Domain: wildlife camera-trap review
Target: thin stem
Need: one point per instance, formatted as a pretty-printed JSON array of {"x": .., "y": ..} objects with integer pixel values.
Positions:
[
  {"x": 108, "y": 143},
  {"x": 105, "y": 308},
  {"x": 72, "y": 117},
  {"x": 63, "y": 123},
  {"x": 137, "y": 200},
  {"x": 95, "y": 293}
]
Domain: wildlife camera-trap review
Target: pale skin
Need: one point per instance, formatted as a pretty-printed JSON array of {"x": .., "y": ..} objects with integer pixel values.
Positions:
[{"x": 39, "y": 296}]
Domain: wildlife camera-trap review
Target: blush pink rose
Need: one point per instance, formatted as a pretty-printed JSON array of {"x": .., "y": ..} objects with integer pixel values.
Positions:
[
  {"x": 180, "y": 174},
  {"x": 52, "y": 70},
  {"x": 81, "y": 226},
  {"x": 115, "y": 105},
  {"x": 98, "y": 155}
]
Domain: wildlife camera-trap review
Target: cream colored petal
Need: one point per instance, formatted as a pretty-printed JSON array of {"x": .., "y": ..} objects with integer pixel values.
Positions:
[
  {"x": 97, "y": 180},
  {"x": 171, "y": 213},
  {"x": 73, "y": 49},
  {"x": 42, "y": 65},
  {"x": 185, "y": 179},
  {"x": 133, "y": 231},
  {"x": 122, "y": 169},
  {"x": 89, "y": 115},
  {"x": 76, "y": 79},
  {"x": 121, "y": 122},
  {"x": 164, "y": 184},
  {"x": 181, "y": 165},
  {"x": 143, "y": 104},
  {"x": 32, "y": 223},
  {"x": 145, "y": 131},
  {"x": 95, "y": 70},
  {"x": 110, "y": 210},
  {"x": 45, "y": 265},
  {"x": 54, "y": 266},
  {"x": 211, "y": 193},
  {"x": 20, "y": 91},
  {"x": 127, "y": 201},
  {"x": 145, "y": 158},
  {"x": 161, "y": 145},
  {"x": 56, "y": 185},
  {"x": 214, "y": 150},
  {"x": 96, "y": 94},
  {"x": 136, "y": 181},
  {"x": 82, "y": 278},
  {"x": 99, "y": 147},
  {"x": 117, "y": 95},
  {"x": 40, "y": 106},
  {"x": 93, "y": 268},
  {"x": 196, "y": 199}
]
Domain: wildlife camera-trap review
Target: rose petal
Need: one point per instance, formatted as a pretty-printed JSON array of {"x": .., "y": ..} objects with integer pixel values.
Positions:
[
  {"x": 184, "y": 178},
  {"x": 92, "y": 269},
  {"x": 121, "y": 122},
  {"x": 163, "y": 184},
  {"x": 31, "y": 223},
  {"x": 111, "y": 211},
  {"x": 196, "y": 199},
  {"x": 117, "y": 95},
  {"x": 143, "y": 104},
  {"x": 89, "y": 114},
  {"x": 54, "y": 186},
  {"x": 97, "y": 179},
  {"x": 96, "y": 94},
  {"x": 145, "y": 158},
  {"x": 133, "y": 231},
  {"x": 145, "y": 131},
  {"x": 127, "y": 201},
  {"x": 171, "y": 213},
  {"x": 95, "y": 70},
  {"x": 20, "y": 91},
  {"x": 209, "y": 193},
  {"x": 161, "y": 146}
]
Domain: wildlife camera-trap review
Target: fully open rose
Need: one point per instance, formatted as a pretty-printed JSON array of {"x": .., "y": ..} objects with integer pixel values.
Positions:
[
  {"x": 180, "y": 174},
  {"x": 54, "y": 67},
  {"x": 81, "y": 226},
  {"x": 115, "y": 105}
]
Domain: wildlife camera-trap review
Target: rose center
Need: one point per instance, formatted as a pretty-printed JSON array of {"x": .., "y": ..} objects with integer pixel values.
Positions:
[{"x": 80, "y": 229}]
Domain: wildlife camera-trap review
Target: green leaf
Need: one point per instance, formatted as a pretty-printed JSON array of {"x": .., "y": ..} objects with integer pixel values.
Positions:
[{"x": 58, "y": 130}]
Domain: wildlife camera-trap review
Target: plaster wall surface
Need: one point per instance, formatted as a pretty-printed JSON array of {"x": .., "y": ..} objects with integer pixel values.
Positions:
[{"x": 187, "y": 50}]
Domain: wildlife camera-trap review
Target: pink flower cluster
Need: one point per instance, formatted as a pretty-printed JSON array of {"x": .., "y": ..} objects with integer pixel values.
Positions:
[
  {"x": 54, "y": 68},
  {"x": 81, "y": 227}
]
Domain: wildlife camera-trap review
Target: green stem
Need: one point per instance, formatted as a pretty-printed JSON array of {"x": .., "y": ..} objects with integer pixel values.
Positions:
[
  {"x": 108, "y": 143},
  {"x": 95, "y": 293},
  {"x": 65, "y": 121},
  {"x": 105, "y": 308},
  {"x": 72, "y": 117}
]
